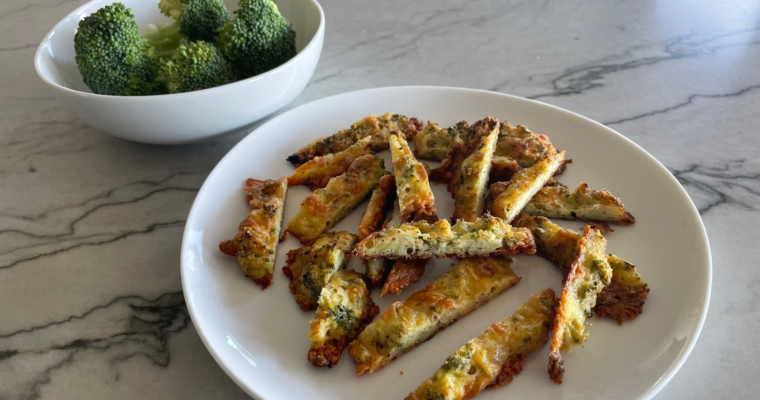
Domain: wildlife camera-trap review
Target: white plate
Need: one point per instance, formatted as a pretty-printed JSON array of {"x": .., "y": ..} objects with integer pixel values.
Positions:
[{"x": 260, "y": 337}]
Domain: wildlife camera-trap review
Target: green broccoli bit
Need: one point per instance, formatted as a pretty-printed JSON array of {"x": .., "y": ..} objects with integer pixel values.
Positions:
[
  {"x": 196, "y": 66},
  {"x": 196, "y": 19},
  {"x": 112, "y": 56},
  {"x": 259, "y": 38}
]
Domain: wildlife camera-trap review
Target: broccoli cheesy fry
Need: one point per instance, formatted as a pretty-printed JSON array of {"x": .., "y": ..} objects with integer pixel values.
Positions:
[
  {"x": 324, "y": 208},
  {"x": 523, "y": 186},
  {"x": 404, "y": 326},
  {"x": 309, "y": 268},
  {"x": 623, "y": 299},
  {"x": 316, "y": 173},
  {"x": 581, "y": 203},
  {"x": 345, "y": 309},
  {"x": 255, "y": 244},
  {"x": 589, "y": 273},
  {"x": 467, "y": 168},
  {"x": 434, "y": 142},
  {"x": 380, "y": 127},
  {"x": 413, "y": 187},
  {"x": 482, "y": 237},
  {"x": 380, "y": 201},
  {"x": 480, "y": 362},
  {"x": 522, "y": 145}
]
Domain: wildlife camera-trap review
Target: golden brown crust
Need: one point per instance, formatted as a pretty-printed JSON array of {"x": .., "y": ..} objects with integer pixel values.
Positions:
[
  {"x": 412, "y": 183},
  {"x": 309, "y": 268},
  {"x": 487, "y": 236},
  {"x": 403, "y": 274},
  {"x": 589, "y": 273},
  {"x": 512, "y": 367},
  {"x": 324, "y": 208},
  {"x": 368, "y": 126},
  {"x": 623, "y": 299},
  {"x": 582, "y": 203},
  {"x": 255, "y": 243},
  {"x": 317, "y": 172},
  {"x": 380, "y": 202}
]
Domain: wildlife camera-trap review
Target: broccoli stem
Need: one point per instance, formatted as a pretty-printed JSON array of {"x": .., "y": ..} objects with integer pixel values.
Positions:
[{"x": 165, "y": 38}]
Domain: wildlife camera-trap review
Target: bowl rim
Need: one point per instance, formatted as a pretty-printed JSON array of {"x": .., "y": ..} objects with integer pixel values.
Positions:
[{"x": 46, "y": 39}]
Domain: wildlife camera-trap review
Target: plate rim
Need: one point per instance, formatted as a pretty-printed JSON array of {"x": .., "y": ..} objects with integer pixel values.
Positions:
[{"x": 650, "y": 393}]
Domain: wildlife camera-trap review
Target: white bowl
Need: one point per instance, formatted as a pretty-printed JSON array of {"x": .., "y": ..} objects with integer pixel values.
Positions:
[{"x": 183, "y": 117}]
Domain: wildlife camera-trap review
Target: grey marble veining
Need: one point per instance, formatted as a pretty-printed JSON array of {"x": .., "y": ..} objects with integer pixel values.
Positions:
[{"x": 90, "y": 295}]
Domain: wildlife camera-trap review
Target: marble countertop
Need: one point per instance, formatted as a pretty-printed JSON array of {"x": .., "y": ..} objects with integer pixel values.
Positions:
[{"x": 90, "y": 295}]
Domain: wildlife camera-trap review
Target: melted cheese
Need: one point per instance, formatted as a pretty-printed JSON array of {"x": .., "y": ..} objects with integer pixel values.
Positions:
[
  {"x": 588, "y": 275},
  {"x": 324, "y": 208},
  {"x": 482, "y": 237},
  {"x": 255, "y": 244},
  {"x": 379, "y": 127},
  {"x": 472, "y": 283},
  {"x": 581, "y": 203},
  {"x": 434, "y": 142},
  {"x": 345, "y": 309},
  {"x": 414, "y": 194},
  {"x": 309, "y": 268},
  {"x": 524, "y": 185},
  {"x": 316, "y": 173},
  {"x": 477, "y": 364},
  {"x": 471, "y": 179}
]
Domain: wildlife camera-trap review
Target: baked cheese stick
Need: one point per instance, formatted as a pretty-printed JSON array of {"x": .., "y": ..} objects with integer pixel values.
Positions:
[
  {"x": 581, "y": 203},
  {"x": 309, "y": 268},
  {"x": 324, "y": 208},
  {"x": 404, "y": 326},
  {"x": 413, "y": 187},
  {"x": 380, "y": 127},
  {"x": 255, "y": 244},
  {"x": 434, "y": 142},
  {"x": 523, "y": 185},
  {"x": 382, "y": 200},
  {"x": 318, "y": 171},
  {"x": 623, "y": 299},
  {"x": 480, "y": 362},
  {"x": 589, "y": 273},
  {"x": 345, "y": 309},
  {"x": 467, "y": 167},
  {"x": 482, "y": 237}
]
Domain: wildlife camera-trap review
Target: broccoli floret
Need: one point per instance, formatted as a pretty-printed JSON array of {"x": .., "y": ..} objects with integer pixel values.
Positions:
[
  {"x": 196, "y": 19},
  {"x": 112, "y": 56},
  {"x": 195, "y": 66},
  {"x": 258, "y": 39}
]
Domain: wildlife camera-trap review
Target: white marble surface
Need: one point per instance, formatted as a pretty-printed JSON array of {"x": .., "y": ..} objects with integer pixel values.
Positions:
[{"x": 90, "y": 295}]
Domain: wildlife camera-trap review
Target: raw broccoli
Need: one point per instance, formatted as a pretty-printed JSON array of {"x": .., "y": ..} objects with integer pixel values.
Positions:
[
  {"x": 196, "y": 19},
  {"x": 195, "y": 66},
  {"x": 258, "y": 39},
  {"x": 112, "y": 56}
]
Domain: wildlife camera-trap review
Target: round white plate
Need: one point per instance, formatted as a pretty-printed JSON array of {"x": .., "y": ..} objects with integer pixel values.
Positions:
[{"x": 260, "y": 338}]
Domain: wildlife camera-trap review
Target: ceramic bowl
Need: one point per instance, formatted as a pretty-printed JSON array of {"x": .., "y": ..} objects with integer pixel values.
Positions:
[{"x": 183, "y": 117}]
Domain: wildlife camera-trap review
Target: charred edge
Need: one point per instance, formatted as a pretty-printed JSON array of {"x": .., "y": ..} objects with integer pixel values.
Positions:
[{"x": 556, "y": 367}]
